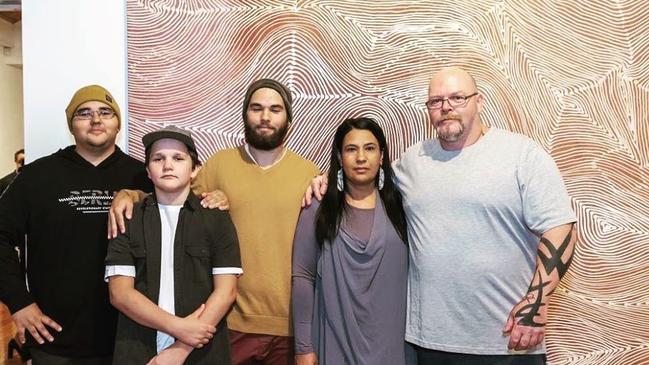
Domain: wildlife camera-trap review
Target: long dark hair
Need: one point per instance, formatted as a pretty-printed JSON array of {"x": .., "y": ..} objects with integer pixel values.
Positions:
[{"x": 333, "y": 204}]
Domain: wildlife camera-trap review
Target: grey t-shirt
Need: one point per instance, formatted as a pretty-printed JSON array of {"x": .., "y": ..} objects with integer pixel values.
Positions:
[{"x": 474, "y": 221}]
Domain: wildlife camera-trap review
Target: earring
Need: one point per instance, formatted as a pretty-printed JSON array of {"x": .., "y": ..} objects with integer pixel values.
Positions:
[
  {"x": 340, "y": 182},
  {"x": 381, "y": 178}
]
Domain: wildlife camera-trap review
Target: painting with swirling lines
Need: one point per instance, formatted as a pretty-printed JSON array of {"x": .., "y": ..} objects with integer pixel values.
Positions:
[{"x": 572, "y": 75}]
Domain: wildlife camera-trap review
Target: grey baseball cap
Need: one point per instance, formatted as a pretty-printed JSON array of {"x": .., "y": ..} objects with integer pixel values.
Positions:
[{"x": 173, "y": 132}]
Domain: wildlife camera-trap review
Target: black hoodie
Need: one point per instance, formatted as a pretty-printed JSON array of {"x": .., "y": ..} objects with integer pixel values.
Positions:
[{"x": 60, "y": 202}]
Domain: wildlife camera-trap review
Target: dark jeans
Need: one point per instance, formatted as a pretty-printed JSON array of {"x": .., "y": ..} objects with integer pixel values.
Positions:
[
  {"x": 43, "y": 358},
  {"x": 433, "y": 357}
]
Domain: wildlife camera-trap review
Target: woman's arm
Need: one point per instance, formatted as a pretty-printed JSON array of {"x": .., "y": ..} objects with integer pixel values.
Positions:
[{"x": 305, "y": 258}]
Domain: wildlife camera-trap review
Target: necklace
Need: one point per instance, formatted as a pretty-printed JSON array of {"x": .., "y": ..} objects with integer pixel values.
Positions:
[{"x": 247, "y": 149}]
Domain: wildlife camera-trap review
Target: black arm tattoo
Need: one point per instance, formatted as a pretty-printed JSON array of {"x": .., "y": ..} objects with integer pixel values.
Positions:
[
  {"x": 531, "y": 310},
  {"x": 554, "y": 261}
]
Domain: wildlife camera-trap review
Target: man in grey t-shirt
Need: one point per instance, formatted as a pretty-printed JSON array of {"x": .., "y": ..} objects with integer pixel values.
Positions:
[
  {"x": 491, "y": 234},
  {"x": 490, "y": 230}
]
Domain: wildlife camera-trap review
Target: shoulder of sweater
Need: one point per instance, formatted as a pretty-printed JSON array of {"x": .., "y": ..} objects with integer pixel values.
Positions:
[
  {"x": 226, "y": 153},
  {"x": 297, "y": 158}
]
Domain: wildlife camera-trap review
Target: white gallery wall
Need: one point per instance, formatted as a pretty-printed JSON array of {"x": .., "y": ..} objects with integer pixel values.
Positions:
[
  {"x": 11, "y": 107},
  {"x": 68, "y": 44}
]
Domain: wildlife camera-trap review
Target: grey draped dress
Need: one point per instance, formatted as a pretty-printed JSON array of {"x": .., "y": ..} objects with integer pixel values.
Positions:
[{"x": 349, "y": 296}]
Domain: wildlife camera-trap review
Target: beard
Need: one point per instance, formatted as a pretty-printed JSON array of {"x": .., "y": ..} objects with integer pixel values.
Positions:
[
  {"x": 451, "y": 129},
  {"x": 267, "y": 142}
]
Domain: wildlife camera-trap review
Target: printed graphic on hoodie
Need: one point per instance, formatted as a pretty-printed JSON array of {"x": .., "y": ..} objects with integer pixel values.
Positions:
[{"x": 89, "y": 201}]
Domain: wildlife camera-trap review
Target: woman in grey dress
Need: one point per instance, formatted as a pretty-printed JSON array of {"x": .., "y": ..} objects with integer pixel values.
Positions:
[{"x": 350, "y": 259}]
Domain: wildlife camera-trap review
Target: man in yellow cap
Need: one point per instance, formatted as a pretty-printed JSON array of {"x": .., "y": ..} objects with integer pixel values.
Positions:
[{"x": 59, "y": 203}]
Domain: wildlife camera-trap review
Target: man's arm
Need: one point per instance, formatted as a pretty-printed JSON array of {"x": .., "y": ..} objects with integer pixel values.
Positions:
[
  {"x": 122, "y": 206},
  {"x": 13, "y": 289},
  {"x": 222, "y": 297},
  {"x": 217, "y": 305},
  {"x": 317, "y": 188},
  {"x": 527, "y": 320},
  {"x": 215, "y": 199},
  {"x": 204, "y": 187},
  {"x": 32, "y": 319},
  {"x": 190, "y": 330}
]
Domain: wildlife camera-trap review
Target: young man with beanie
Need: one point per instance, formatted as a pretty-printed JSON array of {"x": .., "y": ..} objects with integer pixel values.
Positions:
[
  {"x": 264, "y": 182},
  {"x": 58, "y": 203},
  {"x": 175, "y": 269}
]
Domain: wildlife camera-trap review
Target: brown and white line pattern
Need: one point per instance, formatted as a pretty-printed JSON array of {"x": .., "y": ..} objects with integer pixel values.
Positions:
[{"x": 572, "y": 75}]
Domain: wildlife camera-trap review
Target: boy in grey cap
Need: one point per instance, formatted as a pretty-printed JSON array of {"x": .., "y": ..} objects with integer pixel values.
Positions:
[{"x": 173, "y": 273}]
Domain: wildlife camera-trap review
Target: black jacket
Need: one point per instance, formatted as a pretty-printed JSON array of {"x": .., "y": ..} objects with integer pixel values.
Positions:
[
  {"x": 204, "y": 239},
  {"x": 6, "y": 181},
  {"x": 60, "y": 203}
]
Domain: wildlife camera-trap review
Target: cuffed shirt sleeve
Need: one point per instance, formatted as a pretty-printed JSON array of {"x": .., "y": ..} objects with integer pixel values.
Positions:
[
  {"x": 121, "y": 270},
  {"x": 119, "y": 257},
  {"x": 226, "y": 258}
]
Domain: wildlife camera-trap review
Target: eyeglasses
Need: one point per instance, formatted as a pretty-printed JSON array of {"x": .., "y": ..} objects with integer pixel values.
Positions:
[
  {"x": 456, "y": 101},
  {"x": 87, "y": 114}
]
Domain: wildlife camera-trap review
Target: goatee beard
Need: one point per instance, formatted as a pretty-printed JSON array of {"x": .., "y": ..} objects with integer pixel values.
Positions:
[
  {"x": 265, "y": 143},
  {"x": 447, "y": 134}
]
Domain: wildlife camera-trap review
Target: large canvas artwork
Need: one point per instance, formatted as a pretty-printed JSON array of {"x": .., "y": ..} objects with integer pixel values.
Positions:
[{"x": 572, "y": 75}]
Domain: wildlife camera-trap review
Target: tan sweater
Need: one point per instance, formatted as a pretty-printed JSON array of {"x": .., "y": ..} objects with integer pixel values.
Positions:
[{"x": 264, "y": 205}]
